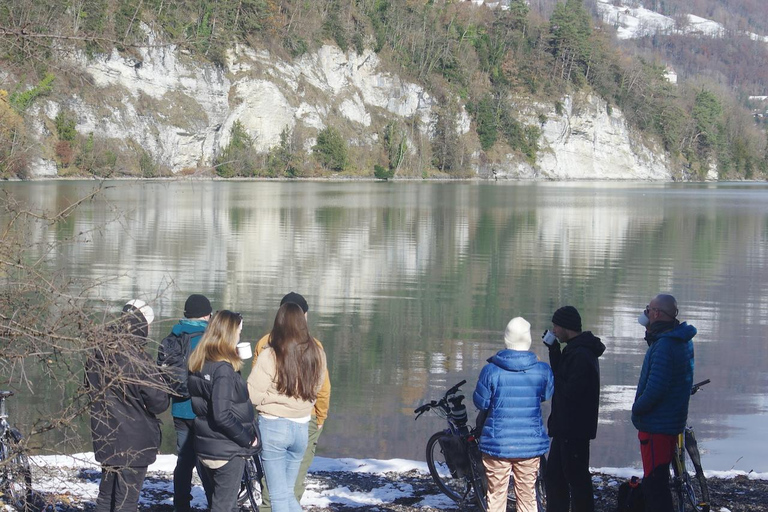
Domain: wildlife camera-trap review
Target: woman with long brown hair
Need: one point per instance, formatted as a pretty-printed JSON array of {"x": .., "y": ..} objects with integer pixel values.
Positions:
[
  {"x": 225, "y": 428},
  {"x": 283, "y": 386}
]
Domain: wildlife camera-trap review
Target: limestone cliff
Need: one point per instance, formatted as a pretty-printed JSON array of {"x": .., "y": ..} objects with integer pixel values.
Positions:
[{"x": 181, "y": 111}]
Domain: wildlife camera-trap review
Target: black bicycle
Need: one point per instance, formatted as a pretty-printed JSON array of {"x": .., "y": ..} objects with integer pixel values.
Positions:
[
  {"x": 454, "y": 459},
  {"x": 15, "y": 473},
  {"x": 688, "y": 482},
  {"x": 250, "y": 486}
]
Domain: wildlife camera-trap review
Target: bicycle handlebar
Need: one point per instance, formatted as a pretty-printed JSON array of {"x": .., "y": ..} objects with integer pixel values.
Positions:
[
  {"x": 455, "y": 388},
  {"x": 698, "y": 386},
  {"x": 442, "y": 403}
]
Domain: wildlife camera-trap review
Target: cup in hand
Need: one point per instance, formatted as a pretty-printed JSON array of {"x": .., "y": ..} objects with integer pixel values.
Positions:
[
  {"x": 548, "y": 338},
  {"x": 244, "y": 350}
]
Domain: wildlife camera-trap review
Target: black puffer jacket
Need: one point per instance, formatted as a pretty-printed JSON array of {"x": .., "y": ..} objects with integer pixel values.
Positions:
[
  {"x": 577, "y": 387},
  {"x": 225, "y": 425},
  {"x": 126, "y": 393}
]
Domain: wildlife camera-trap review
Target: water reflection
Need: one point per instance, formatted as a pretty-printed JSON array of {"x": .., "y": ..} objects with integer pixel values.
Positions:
[{"x": 411, "y": 284}]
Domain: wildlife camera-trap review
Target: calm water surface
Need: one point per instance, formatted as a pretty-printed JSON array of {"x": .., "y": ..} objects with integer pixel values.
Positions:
[{"x": 410, "y": 286}]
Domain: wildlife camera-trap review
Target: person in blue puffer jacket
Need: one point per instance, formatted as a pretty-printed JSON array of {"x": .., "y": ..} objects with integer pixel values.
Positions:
[
  {"x": 510, "y": 390},
  {"x": 663, "y": 392}
]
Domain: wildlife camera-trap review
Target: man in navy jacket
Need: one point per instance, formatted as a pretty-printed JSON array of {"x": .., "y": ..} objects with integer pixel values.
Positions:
[
  {"x": 573, "y": 421},
  {"x": 663, "y": 392}
]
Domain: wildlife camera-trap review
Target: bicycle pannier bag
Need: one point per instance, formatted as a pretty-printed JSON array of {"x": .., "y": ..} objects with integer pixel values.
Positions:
[
  {"x": 631, "y": 496},
  {"x": 455, "y": 452},
  {"x": 172, "y": 357}
]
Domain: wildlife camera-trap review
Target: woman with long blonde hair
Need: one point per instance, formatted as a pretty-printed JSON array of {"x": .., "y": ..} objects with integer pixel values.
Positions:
[
  {"x": 283, "y": 386},
  {"x": 225, "y": 428}
]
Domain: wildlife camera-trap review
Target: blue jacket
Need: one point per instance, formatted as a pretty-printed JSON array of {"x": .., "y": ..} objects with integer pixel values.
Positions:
[
  {"x": 511, "y": 388},
  {"x": 664, "y": 390},
  {"x": 180, "y": 407}
]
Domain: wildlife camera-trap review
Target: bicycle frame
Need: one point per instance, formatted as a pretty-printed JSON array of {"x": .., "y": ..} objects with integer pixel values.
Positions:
[
  {"x": 463, "y": 464},
  {"x": 689, "y": 487},
  {"x": 15, "y": 474}
]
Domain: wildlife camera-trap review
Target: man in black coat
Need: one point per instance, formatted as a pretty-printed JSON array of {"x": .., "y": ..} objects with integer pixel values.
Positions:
[
  {"x": 573, "y": 421},
  {"x": 126, "y": 394}
]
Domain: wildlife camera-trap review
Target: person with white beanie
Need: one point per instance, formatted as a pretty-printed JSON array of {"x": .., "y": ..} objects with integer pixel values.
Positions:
[
  {"x": 510, "y": 390},
  {"x": 126, "y": 395}
]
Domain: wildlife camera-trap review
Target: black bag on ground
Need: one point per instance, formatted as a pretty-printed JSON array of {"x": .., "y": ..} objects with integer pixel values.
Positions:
[
  {"x": 631, "y": 496},
  {"x": 172, "y": 358}
]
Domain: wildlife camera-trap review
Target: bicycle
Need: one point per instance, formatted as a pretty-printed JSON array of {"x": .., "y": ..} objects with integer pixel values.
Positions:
[
  {"x": 453, "y": 455},
  {"x": 688, "y": 481},
  {"x": 250, "y": 486},
  {"x": 15, "y": 473}
]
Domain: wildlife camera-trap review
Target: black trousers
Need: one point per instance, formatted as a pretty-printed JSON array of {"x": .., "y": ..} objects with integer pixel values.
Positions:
[
  {"x": 656, "y": 491},
  {"x": 119, "y": 488},
  {"x": 568, "y": 481},
  {"x": 225, "y": 484},
  {"x": 185, "y": 463}
]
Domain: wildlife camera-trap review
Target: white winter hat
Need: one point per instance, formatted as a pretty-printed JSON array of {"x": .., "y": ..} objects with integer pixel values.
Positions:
[
  {"x": 518, "y": 334},
  {"x": 143, "y": 308}
]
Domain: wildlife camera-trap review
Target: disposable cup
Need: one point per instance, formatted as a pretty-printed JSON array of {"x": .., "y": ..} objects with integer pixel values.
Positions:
[{"x": 244, "y": 350}]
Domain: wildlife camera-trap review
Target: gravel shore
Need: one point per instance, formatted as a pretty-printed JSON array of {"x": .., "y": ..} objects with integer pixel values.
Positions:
[
  {"x": 414, "y": 491},
  {"x": 739, "y": 494}
]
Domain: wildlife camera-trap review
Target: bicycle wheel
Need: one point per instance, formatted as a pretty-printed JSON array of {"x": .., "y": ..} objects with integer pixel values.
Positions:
[
  {"x": 250, "y": 486},
  {"x": 457, "y": 487},
  {"x": 694, "y": 481},
  {"x": 15, "y": 479},
  {"x": 479, "y": 480}
]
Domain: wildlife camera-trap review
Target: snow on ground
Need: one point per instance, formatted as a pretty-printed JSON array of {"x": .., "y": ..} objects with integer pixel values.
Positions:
[
  {"x": 77, "y": 476},
  {"x": 634, "y": 22}
]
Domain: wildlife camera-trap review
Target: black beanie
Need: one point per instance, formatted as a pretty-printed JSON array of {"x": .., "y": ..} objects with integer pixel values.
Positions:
[
  {"x": 297, "y": 299},
  {"x": 197, "y": 306},
  {"x": 568, "y": 318}
]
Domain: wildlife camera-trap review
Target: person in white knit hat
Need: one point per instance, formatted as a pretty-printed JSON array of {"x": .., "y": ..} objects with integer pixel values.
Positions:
[
  {"x": 126, "y": 395},
  {"x": 510, "y": 390}
]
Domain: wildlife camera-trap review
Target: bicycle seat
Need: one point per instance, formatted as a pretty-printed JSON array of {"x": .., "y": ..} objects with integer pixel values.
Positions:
[{"x": 6, "y": 394}]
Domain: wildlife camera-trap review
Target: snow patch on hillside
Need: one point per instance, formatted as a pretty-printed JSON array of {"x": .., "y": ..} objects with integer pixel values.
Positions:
[{"x": 634, "y": 22}]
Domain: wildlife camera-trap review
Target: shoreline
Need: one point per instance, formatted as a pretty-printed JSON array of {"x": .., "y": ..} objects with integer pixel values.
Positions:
[
  {"x": 71, "y": 483},
  {"x": 341, "y": 179}
]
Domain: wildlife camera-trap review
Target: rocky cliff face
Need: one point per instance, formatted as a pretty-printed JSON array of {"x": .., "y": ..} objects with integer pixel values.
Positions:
[{"x": 181, "y": 112}]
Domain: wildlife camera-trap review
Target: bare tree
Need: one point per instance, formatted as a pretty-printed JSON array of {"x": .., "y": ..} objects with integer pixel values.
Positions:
[{"x": 50, "y": 323}]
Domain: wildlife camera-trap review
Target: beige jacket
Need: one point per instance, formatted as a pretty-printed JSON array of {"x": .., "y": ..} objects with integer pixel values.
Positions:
[
  {"x": 264, "y": 394},
  {"x": 323, "y": 396}
]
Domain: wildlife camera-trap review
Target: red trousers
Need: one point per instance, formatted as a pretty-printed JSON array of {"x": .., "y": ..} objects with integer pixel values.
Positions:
[{"x": 656, "y": 450}]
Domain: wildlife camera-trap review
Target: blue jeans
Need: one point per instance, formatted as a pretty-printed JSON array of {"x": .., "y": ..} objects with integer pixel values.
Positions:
[{"x": 284, "y": 443}]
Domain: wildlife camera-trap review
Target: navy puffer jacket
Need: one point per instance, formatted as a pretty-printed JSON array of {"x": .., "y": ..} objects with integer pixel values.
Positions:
[
  {"x": 225, "y": 425},
  {"x": 510, "y": 389},
  {"x": 664, "y": 390}
]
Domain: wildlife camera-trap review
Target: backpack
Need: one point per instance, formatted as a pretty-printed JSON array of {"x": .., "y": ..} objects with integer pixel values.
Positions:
[
  {"x": 630, "y": 497},
  {"x": 172, "y": 358}
]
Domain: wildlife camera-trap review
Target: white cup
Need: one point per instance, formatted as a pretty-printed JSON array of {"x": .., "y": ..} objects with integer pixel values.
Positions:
[
  {"x": 549, "y": 337},
  {"x": 244, "y": 350}
]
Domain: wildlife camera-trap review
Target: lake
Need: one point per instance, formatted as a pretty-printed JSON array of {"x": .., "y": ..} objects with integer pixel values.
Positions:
[{"x": 411, "y": 284}]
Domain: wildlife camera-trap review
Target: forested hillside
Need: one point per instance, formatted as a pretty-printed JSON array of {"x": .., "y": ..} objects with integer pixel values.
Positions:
[{"x": 484, "y": 59}]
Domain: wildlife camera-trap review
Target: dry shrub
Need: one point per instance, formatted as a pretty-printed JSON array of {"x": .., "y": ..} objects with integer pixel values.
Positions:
[{"x": 65, "y": 153}]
